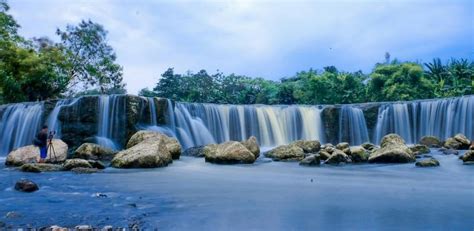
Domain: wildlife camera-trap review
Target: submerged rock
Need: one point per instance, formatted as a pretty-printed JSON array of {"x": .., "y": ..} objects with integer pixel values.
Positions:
[
  {"x": 286, "y": 153},
  {"x": 76, "y": 163},
  {"x": 90, "y": 151},
  {"x": 312, "y": 160},
  {"x": 308, "y": 146},
  {"x": 172, "y": 144},
  {"x": 194, "y": 151},
  {"x": 430, "y": 141},
  {"x": 252, "y": 145},
  {"x": 338, "y": 157},
  {"x": 30, "y": 154},
  {"x": 41, "y": 167},
  {"x": 431, "y": 162},
  {"x": 393, "y": 150},
  {"x": 358, "y": 154},
  {"x": 81, "y": 170},
  {"x": 419, "y": 149},
  {"x": 149, "y": 153},
  {"x": 448, "y": 151},
  {"x": 25, "y": 185},
  {"x": 231, "y": 152}
]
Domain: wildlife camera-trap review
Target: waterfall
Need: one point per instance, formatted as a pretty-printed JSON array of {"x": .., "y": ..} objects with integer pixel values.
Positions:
[
  {"x": 111, "y": 126},
  {"x": 19, "y": 125},
  {"x": 442, "y": 118},
  {"x": 352, "y": 126},
  {"x": 53, "y": 122},
  {"x": 198, "y": 124}
]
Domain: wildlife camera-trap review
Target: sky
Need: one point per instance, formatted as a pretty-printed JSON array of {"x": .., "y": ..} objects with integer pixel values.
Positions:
[{"x": 269, "y": 39}]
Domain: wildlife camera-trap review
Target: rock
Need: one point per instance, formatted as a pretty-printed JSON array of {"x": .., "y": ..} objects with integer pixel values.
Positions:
[
  {"x": 308, "y": 146},
  {"x": 342, "y": 146},
  {"x": 13, "y": 214},
  {"x": 471, "y": 147},
  {"x": 30, "y": 153},
  {"x": 347, "y": 151},
  {"x": 82, "y": 170},
  {"x": 452, "y": 143},
  {"x": 25, "y": 185},
  {"x": 393, "y": 150},
  {"x": 172, "y": 144},
  {"x": 252, "y": 145},
  {"x": 312, "y": 160},
  {"x": 449, "y": 151},
  {"x": 57, "y": 228},
  {"x": 330, "y": 149},
  {"x": 430, "y": 141},
  {"x": 324, "y": 155},
  {"x": 90, "y": 151},
  {"x": 96, "y": 164},
  {"x": 419, "y": 149},
  {"x": 286, "y": 153},
  {"x": 431, "y": 162},
  {"x": 468, "y": 163},
  {"x": 149, "y": 153},
  {"x": 194, "y": 151},
  {"x": 468, "y": 156},
  {"x": 338, "y": 157},
  {"x": 41, "y": 167},
  {"x": 368, "y": 146},
  {"x": 76, "y": 163},
  {"x": 83, "y": 228},
  {"x": 465, "y": 142},
  {"x": 231, "y": 152},
  {"x": 358, "y": 154}
]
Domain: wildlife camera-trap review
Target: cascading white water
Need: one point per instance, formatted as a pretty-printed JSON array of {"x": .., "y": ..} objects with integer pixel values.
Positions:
[
  {"x": 199, "y": 124},
  {"x": 19, "y": 125},
  {"x": 352, "y": 126},
  {"x": 441, "y": 118},
  {"x": 111, "y": 109},
  {"x": 53, "y": 122}
]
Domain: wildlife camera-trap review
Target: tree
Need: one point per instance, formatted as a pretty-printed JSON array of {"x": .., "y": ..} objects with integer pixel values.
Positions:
[{"x": 91, "y": 58}]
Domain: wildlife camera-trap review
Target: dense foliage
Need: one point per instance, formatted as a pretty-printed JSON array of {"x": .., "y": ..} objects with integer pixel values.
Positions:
[
  {"x": 38, "y": 68},
  {"x": 388, "y": 81}
]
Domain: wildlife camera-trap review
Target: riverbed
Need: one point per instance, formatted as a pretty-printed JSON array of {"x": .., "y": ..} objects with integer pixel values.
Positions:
[{"x": 191, "y": 194}]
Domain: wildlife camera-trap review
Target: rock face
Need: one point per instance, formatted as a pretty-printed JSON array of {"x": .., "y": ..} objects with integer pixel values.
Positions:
[
  {"x": 358, "y": 154},
  {"x": 393, "y": 150},
  {"x": 172, "y": 144},
  {"x": 286, "y": 153},
  {"x": 252, "y": 145},
  {"x": 338, "y": 157},
  {"x": 25, "y": 185},
  {"x": 430, "y": 141},
  {"x": 465, "y": 142},
  {"x": 149, "y": 153},
  {"x": 30, "y": 153},
  {"x": 308, "y": 146},
  {"x": 76, "y": 163},
  {"x": 41, "y": 167},
  {"x": 194, "y": 151},
  {"x": 419, "y": 149},
  {"x": 90, "y": 151},
  {"x": 452, "y": 143},
  {"x": 431, "y": 162},
  {"x": 311, "y": 160},
  {"x": 231, "y": 152}
]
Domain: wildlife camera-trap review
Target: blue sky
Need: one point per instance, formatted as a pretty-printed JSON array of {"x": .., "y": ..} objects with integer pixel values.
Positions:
[{"x": 270, "y": 39}]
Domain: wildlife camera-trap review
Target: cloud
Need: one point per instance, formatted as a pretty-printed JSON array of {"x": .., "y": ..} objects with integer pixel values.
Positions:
[{"x": 271, "y": 39}]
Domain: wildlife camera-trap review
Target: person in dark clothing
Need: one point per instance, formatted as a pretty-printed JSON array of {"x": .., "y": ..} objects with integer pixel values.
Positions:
[{"x": 42, "y": 141}]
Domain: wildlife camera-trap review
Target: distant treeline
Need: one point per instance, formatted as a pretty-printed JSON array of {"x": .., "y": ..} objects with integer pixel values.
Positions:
[{"x": 388, "y": 81}]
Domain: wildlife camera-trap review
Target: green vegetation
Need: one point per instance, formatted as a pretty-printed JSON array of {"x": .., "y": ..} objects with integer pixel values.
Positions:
[
  {"x": 38, "y": 69},
  {"x": 389, "y": 81}
]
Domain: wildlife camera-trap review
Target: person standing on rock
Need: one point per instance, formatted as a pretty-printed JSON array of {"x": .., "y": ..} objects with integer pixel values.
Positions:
[{"x": 41, "y": 141}]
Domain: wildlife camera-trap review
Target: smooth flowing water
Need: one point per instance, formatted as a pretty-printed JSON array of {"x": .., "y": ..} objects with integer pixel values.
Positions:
[
  {"x": 191, "y": 194},
  {"x": 352, "y": 126},
  {"x": 53, "y": 122},
  {"x": 111, "y": 121}
]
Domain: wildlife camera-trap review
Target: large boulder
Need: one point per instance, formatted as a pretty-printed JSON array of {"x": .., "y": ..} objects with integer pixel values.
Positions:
[
  {"x": 76, "y": 163},
  {"x": 420, "y": 149},
  {"x": 172, "y": 144},
  {"x": 431, "y": 141},
  {"x": 393, "y": 150},
  {"x": 311, "y": 160},
  {"x": 41, "y": 167},
  {"x": 30, "y": 154},
  {"x": 308, "y": 146},
  {"x": 358, "y": 154},
  {"x": 465, "y": 142},
  {"x": 431, "y": 162},
  {"x": 25, "y": 185},
  {"x": 252, "y": 145},
  {"x": 90, "y": 151},
  {"x": 338, "y": 157},
  {"x": 286, "y": 153},
  {"x": 194, "y": 151},
  {"x": 452, "y": 143},
  {"x": 231, "y": 152},
  {"x": 149, "y": 153}
]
